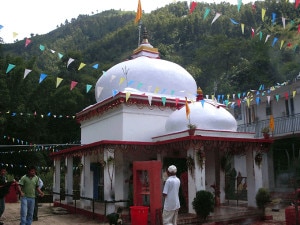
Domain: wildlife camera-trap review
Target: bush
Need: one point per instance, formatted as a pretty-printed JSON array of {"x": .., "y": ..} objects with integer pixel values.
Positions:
[
  {"x": 263, "y": 197},
  {"x": 203, "y": 204}
]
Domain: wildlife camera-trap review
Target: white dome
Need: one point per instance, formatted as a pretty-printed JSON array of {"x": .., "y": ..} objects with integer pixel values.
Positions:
[
  {"x": 147, "y": 75},
  {"x": 205, "y": 114}
]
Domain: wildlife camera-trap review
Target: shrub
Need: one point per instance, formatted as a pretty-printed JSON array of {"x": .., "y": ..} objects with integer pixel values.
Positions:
[
  {"x": 262, "y": 198},
  {"x": 203, "y": 204}
]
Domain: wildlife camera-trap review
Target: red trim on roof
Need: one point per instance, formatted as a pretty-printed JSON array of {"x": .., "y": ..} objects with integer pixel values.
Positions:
[
  {"x": 105, "y": 143},
  {"x": 113, "y": 102}
]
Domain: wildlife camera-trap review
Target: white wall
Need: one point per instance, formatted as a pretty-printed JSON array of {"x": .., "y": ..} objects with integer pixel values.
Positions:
[{"x": 126, "y": 123}]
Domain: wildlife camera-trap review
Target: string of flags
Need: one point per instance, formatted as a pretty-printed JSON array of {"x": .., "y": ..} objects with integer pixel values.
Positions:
[
  {"x": 263, "y": 16},
  {"x": 39, "y": 168},
  {"x": 36, "y": 115}
]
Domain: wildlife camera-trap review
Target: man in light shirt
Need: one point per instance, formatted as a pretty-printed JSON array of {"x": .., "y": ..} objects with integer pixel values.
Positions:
[{"x": 171, "y": 197}]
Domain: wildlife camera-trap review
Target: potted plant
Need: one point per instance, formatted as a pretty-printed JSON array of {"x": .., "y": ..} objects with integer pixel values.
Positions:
[
  {"x": 203, "y": 204},
  {"x": 263, "y": 197},
  {"x": 258, "y": 158},
  {"x": 191, "y": 128},
  {"x": 190, "y": 164},
  {"x": 266, "y": 132}
]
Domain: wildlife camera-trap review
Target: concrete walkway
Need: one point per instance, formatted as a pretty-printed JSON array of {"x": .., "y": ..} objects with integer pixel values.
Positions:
[{"x": 49, "y": 215}]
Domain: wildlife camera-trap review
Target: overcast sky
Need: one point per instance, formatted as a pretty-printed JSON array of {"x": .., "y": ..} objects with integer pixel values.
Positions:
[{"x": 41, "y": 16}]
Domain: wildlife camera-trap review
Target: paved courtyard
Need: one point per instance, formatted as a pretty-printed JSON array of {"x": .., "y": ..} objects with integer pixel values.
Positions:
[{"x": 49, "y": 215}]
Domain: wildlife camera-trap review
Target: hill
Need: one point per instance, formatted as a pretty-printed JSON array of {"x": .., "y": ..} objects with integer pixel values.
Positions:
[{"x": 226, "y": 48}]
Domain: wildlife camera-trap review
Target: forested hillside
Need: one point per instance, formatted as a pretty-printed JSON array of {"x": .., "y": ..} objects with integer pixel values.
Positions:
[{"x": 226, "y": 48}]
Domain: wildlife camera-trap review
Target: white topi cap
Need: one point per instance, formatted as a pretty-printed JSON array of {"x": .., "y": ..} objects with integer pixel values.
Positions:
[{"x": 172, "y": 169}]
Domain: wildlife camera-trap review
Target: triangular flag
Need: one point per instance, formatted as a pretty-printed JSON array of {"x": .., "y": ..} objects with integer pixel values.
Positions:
[
  {"x": 58, "y": 81},
  {"x": 26, "y": 72},
  {"x": 27, "y": 42},
  {"x": 42, "y": 77},
  {"x": 88, "y": 88},
  {"x": 15, "y": 34},
  {"x": 1, "y": 27},
  {"x": 127, "y": 95},
  {"x": 263, "y": 13},
  {"x": 269, "y": 99},
  {"x": 150, "y": 99},
  {"x": 122, "y": 79},
  {"x": 297, "y": 3},
  {"x": 243, "y": 28},
  {"x": 260, "y": 35},
  {"x": 274, "y": 41},
  {"x": 272, "y": 124},
  {"x": 73, "y": 85},
  {"x": 207, "y": 11},
  {"x": 233, "y": 21},
  {"x": 114, "y": 92},
  {"x": 216, "y": 17},
  {"x": 163, "y": 100},
  {"x": 69, "y": 61},
  {"x": 10, "y": 67},
  {"x": 99, "y": 91},
  {"x": 273, "y": 18},
  {"x": 267, "y": 37},
  {"x": 252, "y": 32},
  {"x": 42, "y": 47},
  {"x": 283, "y": 22},
  {"x": 239, "y": 5},
  {"x": 112, "y": 78},
  {"x": 193, "y": 6},
  {"x": 139, "y": 86},
  {"x": 138, "y": 13},
  {"x": 187, "y": 109},
  {"x": 60, "y": 55},
  {"x": 95, "y": 66},
  {"x": 281, "y": 44},
  {"x": 81, "y": 66}
]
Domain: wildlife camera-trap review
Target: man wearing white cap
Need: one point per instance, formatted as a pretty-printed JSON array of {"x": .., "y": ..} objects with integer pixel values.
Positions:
[{"x": 171, "y": 197}]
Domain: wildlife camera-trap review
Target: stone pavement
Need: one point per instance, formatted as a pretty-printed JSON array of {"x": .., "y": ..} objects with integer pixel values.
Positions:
[{"x": 49, "y": 215}]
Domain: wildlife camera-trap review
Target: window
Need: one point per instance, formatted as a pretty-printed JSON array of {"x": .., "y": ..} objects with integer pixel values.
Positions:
[
  {"x": 287, "y": 110},
  {"x": 292, "y": 106},
  {"x": 269, "y": 108},
  {"x": 237, "y": 112}
]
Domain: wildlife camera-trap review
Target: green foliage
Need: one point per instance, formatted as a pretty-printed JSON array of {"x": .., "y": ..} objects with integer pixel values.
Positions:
[
  {"x": 263, "y": 197},
  {"x": 219, "y": 56},
  {"x": 203, "y": 204}
]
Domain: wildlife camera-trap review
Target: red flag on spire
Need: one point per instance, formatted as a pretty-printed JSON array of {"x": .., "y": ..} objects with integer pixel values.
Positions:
[{"x": 138, "y": 13}]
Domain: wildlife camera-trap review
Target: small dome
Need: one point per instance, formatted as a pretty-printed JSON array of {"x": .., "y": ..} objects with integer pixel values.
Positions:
[
  {"x": 147, "y": 75},
  {"x": 205, "y": 114}
]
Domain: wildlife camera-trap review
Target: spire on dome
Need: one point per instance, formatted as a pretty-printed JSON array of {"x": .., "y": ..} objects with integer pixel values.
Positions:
[
  {"x": 199, "y": 94},
  {"x": 145, "y": 36},
  {"x": 145, "y": 48}
]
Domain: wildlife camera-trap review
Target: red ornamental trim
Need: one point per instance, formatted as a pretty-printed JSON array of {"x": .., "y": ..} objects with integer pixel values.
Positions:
[{"x": 140, "y": 102}]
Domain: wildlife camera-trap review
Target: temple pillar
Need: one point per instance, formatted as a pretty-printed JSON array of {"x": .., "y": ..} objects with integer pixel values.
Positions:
[
  {"x": 254, "y": 177},
  {"x": 69, "y": 180},
  {"x": 56, "y": 180},
  {"x": 86, "y": 188},
  {"x": 109, "y": 180}
]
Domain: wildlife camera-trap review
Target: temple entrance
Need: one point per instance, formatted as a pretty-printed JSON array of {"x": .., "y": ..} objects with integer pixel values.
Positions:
[{"x": 182, "y": 174}]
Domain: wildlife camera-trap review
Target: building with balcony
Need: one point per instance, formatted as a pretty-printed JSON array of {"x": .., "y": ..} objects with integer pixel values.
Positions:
[{"x": 280, "y": 106}]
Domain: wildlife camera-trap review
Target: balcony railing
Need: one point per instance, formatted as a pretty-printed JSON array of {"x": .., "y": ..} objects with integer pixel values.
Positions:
[{"x": 283, "y": 126}]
